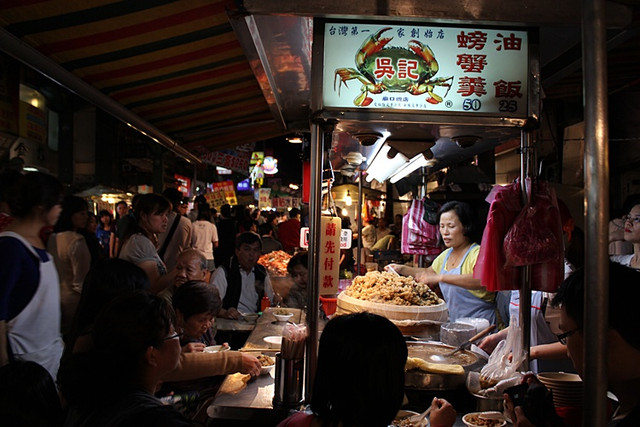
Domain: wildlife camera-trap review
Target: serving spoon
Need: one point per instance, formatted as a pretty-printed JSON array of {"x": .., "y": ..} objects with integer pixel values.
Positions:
[{"x": 445, "y": 357}]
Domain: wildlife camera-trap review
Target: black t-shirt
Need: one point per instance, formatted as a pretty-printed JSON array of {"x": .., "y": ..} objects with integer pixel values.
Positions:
[{"x": 131, "y": 408}]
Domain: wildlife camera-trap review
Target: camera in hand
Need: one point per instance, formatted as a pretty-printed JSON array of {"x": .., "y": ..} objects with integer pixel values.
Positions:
[{"x": 536, "y": 402}]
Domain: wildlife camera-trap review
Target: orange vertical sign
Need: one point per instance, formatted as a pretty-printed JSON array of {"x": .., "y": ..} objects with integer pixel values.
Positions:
[{"x": 329, "y": 255}]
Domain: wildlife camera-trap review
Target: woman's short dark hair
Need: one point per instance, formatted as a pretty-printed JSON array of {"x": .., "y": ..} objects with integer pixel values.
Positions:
[
  {"x": 35, "y": 189},
  {"x": 365, "y": 354},
  {"x": 106, "y": 280},
  {"x": 70, "y": 206},
  {"x": 123, "y": 331},
  {"x": 301, "y": 258},
  {"x": 247, "y": 238},
  {"x": 149, "y": 204},
  {"x": 465, "y": 215},
  {"x": 197, "y": 297}
]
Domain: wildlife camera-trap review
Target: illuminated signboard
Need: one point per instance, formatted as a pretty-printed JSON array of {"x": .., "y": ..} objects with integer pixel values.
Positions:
[
  {"x": 426, "y": 68},
  {"x": 244, "y": 185}
]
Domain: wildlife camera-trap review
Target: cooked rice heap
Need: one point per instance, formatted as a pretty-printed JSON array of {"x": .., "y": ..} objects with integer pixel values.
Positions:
[{"x": 388, "y": 288}]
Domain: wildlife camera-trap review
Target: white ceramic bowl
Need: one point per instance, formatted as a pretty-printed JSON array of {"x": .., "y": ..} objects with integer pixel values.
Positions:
[
  {"x": 498, "y": 422},
  {"x": 273, "y": 341},
  {"x": 264, "y": 370},
  {"x": 283, "y": 317},
  {"x": 216, "y": 348},
  {"x": 250, "y": 317}
]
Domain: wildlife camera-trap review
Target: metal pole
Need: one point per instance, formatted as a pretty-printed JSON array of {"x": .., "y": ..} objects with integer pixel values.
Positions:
[
  {"x": 596, "y": 173},
  {"x": 359, "y": 228},
  {"x": 422, "y": 193},
  {"x": 526, "y": 168},
  {"x": 315, "y": 201}
]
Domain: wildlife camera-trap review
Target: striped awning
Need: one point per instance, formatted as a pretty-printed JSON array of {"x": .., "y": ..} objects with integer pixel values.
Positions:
[{"x": 176, "y": 64}]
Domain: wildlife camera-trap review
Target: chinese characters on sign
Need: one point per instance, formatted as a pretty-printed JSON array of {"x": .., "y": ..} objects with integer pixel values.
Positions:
[
  {"x": 329, "y": 255},
  {"x": 223, "y": 192},
  {"x": 411, "y": 67}
]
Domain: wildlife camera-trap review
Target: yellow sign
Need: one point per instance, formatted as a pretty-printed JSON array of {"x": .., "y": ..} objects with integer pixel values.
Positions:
[{"x": 329, "y": 255}]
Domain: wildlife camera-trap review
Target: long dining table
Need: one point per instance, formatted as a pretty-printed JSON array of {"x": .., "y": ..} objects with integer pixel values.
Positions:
[{"x": 253, "y": 405}]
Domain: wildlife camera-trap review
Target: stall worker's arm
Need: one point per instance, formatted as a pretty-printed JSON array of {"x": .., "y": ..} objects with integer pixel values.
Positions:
[
  {"x": 404, "y": 270},
  {"x": 465, "y": 280},
  {"x": 552, "y": 351},
  {"x": 158, "y": 282},
  {"x": 200, "y": 365}
]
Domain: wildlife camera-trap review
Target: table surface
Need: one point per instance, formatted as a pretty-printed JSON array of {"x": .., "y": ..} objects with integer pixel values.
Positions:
[
  {"x": 260, "y": 390},
  {"x": 234, "y": 325}
]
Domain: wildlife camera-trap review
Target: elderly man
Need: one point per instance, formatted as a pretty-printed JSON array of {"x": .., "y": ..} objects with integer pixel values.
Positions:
[
  {"x": 623, "y": 340},
  {"x": 242, "y": 282},
  {"x": 190, "y": 265}
]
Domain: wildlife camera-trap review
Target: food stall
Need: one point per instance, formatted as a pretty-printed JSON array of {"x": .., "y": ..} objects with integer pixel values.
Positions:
[{"x": 387, "y": 129}]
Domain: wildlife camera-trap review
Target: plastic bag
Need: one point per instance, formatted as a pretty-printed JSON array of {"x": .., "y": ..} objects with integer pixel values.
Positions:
[
  {"x": 536, "y": 234},
  {"x": 499, "y": 367}
]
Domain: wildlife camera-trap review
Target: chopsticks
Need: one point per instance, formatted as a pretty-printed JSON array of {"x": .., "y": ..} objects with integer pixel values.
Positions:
[{"x": 274, "y": 350}]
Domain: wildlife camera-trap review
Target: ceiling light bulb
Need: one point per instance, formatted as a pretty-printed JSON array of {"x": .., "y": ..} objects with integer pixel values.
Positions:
[
  {"x": 344, "y": 212},
  {"x": 348, "y": 200}
]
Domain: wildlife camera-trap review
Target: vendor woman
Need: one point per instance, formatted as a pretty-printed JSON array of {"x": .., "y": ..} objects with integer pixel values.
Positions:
[{"x": 453, "y": 268}]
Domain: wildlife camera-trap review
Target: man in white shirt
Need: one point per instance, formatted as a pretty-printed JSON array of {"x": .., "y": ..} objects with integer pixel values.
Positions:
[{"x": 242, "y": 282}]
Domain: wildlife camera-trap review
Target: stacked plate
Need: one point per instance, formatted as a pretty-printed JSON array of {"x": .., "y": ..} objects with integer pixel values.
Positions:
[{"x": 567, "y": 388}]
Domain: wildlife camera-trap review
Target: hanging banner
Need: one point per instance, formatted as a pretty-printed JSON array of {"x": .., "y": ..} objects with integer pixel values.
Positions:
[
  {"x": 345, "y": 238},
  {"x": 329, "y": 255},
  {"x": 426, "y": 68},
  {"x": 236, "y": 160},
  {"x": 223, "y": 193},
  {"x": 264, "y": 201}
]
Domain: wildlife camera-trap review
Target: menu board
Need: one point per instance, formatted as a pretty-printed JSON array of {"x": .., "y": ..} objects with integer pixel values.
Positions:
[{"x": 426, "y": 68}]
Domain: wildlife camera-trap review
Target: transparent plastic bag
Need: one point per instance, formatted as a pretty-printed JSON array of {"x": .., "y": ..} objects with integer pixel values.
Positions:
[{"x": 500, "y": 365}]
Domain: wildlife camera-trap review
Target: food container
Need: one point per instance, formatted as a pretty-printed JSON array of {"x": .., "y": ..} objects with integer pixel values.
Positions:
[
  {"x": 273, "y": 341},
  {"x": 282, "y": 316},
  {"x": 477, "y": 322},
  {"x": 493, "y": 419},
  {"x": 216, "y": 348},
  {"x": 456, "y": 333},
  {"x": 421, "y": 380},
  {"x": 402, "y": 415},
  {"x": 329, "y": 305}
]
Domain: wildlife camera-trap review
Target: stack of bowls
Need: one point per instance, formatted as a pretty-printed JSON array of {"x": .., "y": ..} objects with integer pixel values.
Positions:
[{"x": 567, "y": 388}]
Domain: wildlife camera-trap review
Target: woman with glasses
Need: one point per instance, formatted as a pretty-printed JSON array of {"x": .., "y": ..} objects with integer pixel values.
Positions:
[
  {"x": 134, "y": 345},
  {"x": 631, "y": 235}
]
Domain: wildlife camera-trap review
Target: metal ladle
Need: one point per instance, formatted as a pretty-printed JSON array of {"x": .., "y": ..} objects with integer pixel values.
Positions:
[{"x": 442, "y": 358}]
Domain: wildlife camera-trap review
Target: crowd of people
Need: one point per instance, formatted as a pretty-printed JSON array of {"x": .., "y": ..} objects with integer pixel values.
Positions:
[{"x": 113, "y": 313}]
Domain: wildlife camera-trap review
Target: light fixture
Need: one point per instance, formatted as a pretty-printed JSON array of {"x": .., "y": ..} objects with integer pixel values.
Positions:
[
  {"x": 466, "y": 141},
  {"x": 295, "y": 140},
  {"x": 345, "y": 212},
  {"x": 294, "y": 186},
  {"x": 385, "y": 163},
  {"x": 420, "y": 160},
  {"x": 348, "y": 200}
]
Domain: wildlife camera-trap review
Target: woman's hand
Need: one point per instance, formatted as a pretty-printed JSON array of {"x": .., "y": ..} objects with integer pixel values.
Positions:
[
  {"x": 489, "y": 343},
  {"x": 250, "y": 365},
  {"x": 193, "y": 347},
  {"x": 229, "y": 313},
  {"x": 428, "y": 276},
  {"x": 442, "y": 413}
]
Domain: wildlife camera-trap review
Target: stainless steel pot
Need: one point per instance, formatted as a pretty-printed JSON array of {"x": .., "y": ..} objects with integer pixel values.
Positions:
[{"x": 429, "y": 381}]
